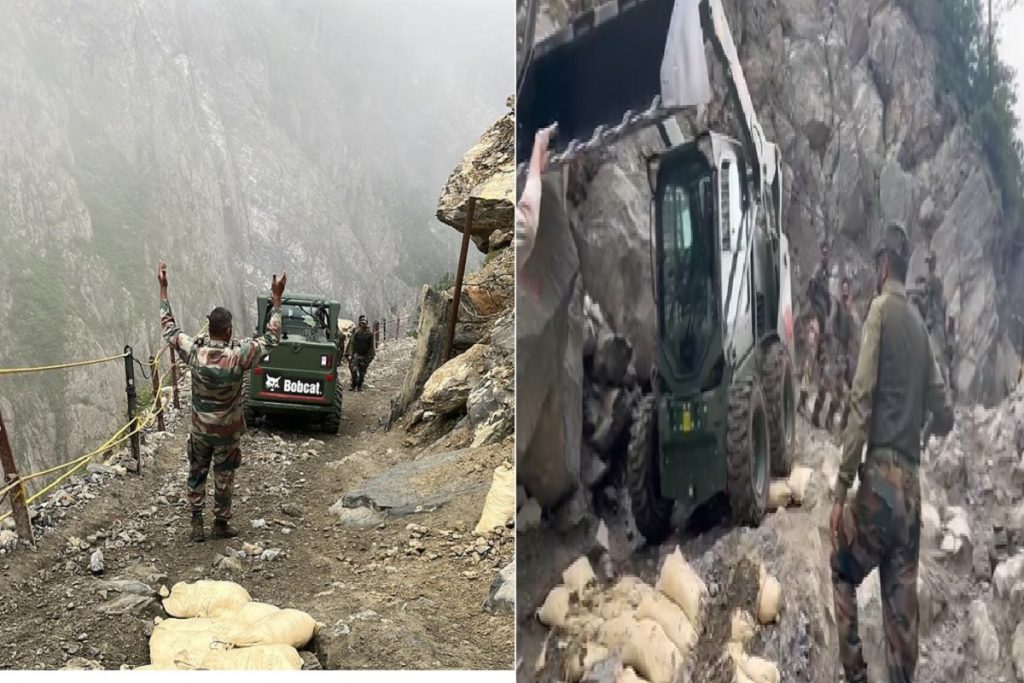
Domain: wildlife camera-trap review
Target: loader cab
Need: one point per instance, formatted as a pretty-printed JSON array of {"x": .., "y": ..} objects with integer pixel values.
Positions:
[{"x": 692, "y": 224}]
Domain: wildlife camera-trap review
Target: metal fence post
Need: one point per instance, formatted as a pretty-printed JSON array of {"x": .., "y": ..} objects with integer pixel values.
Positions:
[
  {"x": 22, "y": 522},
  {"x": 457, "y": 295},
  {"x": 174, "y": 378},
  {"x": 157, "y": 396},
  {"x": 133, "y": 422},
  {"x": 385, "y": 330}
]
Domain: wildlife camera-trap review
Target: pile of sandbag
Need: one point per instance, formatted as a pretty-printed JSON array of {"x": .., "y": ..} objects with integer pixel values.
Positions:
[
  {"x": 652, "y": 628},
  {"x": 649, "y": 631},
  {"x": 219, "y": 627}
]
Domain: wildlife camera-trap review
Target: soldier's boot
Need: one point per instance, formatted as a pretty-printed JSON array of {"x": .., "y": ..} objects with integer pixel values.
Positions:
[
  {"x": 830, "y": 418},
  {"x": 221, "y": 529},
  {"x": 198, "y": 535},
  {"x": 819, "y": 402}
]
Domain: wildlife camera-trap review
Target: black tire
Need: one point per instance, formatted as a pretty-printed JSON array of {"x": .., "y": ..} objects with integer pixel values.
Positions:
[
  {"x": 247, "y": 412},
  {"x": 652, "y": 512},
  {"x": 780, "y": 399},
  {"x": 332, "y": 423},
  {"x": 748, "y": 455}
]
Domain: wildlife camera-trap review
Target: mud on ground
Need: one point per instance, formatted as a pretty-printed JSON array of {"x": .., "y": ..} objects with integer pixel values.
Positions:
[{"x": 405, "y": 592}]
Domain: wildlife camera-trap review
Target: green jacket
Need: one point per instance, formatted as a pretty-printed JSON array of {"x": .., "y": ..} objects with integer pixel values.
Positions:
[{"x": 897, "y": 381}]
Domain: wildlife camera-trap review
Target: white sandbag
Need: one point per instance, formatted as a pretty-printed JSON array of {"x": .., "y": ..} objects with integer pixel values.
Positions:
[
  {"x": 630, "y": 590},
  {"x": 281, "y": 627},
  {"x": 799, "y": 479},
  {"x": 615, "y": 633},
  {"x": 555, "y": 609},
  {"x": 760, "y": 670},
  {"x": 257, "y": 658},
  {"x": 579, "y": 575},
  {"x": 500, "y": 504},
  {"x": 205, "y": 598},
  {"x": 172, "y": 637},
  {"x": 752, "y": 669},
  {"x": 628, "y": 675},
  {"x": 651, "y": 652},
  {"x": 643, "y": 645},
  {"x": 768, "y": 596},
  {"x": 779, "y": 495},
  {"x": 672, "y": 620},
  {"x": 681, "y": 583},
  {"x": 251, "y": 612},
  {"x": 742, "y": 627}
]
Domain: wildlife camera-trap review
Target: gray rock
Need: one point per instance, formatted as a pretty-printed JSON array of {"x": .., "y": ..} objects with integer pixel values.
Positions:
[
  {"x": 82, "y": 664},
  {"x": 258, "y": 523},
  {"x": 291, "y": 509},
  {"x": 229, "y": 563},
  {"x": 270, "y": 555},
  {"x": 126, "y": 586},
  {"x": 96, "y": 562},
  {"x": 400, "y": 490},
  {"x": 309, "y": 661},
  {"x": 1008, "y": 574},
  {"x": 357, "y": 517},
  {"x": 501, "y": 599},
  {"x": 983, "y": 636},
  {"x": 1018, "y": 651},
  {"x": 127, "y": 604},
  {"x": 8, "y": 540},
  {"x": 931, "y": 525}
]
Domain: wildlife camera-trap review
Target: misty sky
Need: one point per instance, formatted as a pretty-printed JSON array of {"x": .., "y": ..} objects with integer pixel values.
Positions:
[{"x": 1011, "y": 48}]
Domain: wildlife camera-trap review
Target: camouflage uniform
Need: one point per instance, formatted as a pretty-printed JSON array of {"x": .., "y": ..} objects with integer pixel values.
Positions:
[
  {"x": 897, "y": 380},
  {"x": 835, "y": 374},
  {"x": 217, "y": 369},
  {"x": 361, "y": 350}
]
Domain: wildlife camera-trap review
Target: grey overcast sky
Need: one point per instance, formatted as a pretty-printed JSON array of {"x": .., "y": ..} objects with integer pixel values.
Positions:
[{"x": 1011, "y": 48}]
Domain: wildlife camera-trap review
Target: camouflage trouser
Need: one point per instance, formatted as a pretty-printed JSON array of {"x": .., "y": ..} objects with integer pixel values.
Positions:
[
  {"x": 880, "y": 527},
  {"x": 358, "y": 367},
  {"x": 225, "y": 460}
]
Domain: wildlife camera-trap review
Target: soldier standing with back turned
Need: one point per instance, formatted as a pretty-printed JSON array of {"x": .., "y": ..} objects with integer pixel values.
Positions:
[
  {"x": 896, "y": 383},
  {"x": 218, "y": 366}
]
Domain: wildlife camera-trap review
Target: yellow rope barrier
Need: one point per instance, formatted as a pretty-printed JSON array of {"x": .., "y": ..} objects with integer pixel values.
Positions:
[
  {"x": 142, "y": 422},
  {"x": 43, "y": 368}
]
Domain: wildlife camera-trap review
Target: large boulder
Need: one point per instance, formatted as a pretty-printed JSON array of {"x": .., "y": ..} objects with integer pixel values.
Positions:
[
  {"x": 487, "y": 172},
  {"x": 448, "y": 387},
  {"x": 549, "y": 344},
  {"x": 435, "y": 307}
]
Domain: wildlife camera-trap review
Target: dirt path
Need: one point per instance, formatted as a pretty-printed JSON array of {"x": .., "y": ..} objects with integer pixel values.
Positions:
[{"x": 404, "y": 592}]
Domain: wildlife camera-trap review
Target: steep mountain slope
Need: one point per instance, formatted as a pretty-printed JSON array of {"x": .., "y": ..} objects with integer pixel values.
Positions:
[
  {"x": 233, "y": 139},
  {"x": 848, "y": 91}
]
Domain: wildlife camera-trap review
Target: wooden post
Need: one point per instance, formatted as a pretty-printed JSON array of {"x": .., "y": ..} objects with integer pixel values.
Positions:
[
  {"x": 385, "y": 330},
  {"x": 157, "y": 397},
  {"x": 454, "y": 317},
  {"x": 22, "y": 522},
  {"x": 376, "y": 333},
  {"x": 398, "y": 326},
  {"x": 174, "y": 379},
  {"x": 133, "y": 422}
]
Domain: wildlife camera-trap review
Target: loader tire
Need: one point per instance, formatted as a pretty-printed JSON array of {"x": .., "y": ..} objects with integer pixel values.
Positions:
[
  {"x": 651, "y": 512},
  {"x": 780, "y": 400},
  {"x": 248, "y": 415},
  {"x": 748, "y": 454},
  {"x": 332, "y": 423}
]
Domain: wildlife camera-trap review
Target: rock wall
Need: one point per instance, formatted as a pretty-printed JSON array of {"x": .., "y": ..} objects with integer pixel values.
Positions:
[
  {"x": 847, "y": 90},
  {"x": 232, "y": 139}
]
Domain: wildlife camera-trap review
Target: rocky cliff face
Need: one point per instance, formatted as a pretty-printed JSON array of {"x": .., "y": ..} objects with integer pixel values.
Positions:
[
  {"x": 848, "y": 92},
  {"x": 233, "y": 139}
]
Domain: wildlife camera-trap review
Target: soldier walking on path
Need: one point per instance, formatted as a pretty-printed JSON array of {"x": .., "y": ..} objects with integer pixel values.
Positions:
[
  {"x": 897, "y": 382},
  {"x": 837, "y": 374},
  {"x": 360, "y": 352},
  {"x": 217, "y": 366}
]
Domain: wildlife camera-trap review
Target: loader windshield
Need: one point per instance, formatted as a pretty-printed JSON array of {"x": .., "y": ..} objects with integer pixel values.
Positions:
[{"x": 685, "y": 255}]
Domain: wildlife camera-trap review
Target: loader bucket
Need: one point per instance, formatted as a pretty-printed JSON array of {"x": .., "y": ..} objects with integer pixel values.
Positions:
[{"x": 607, "y": 62}]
